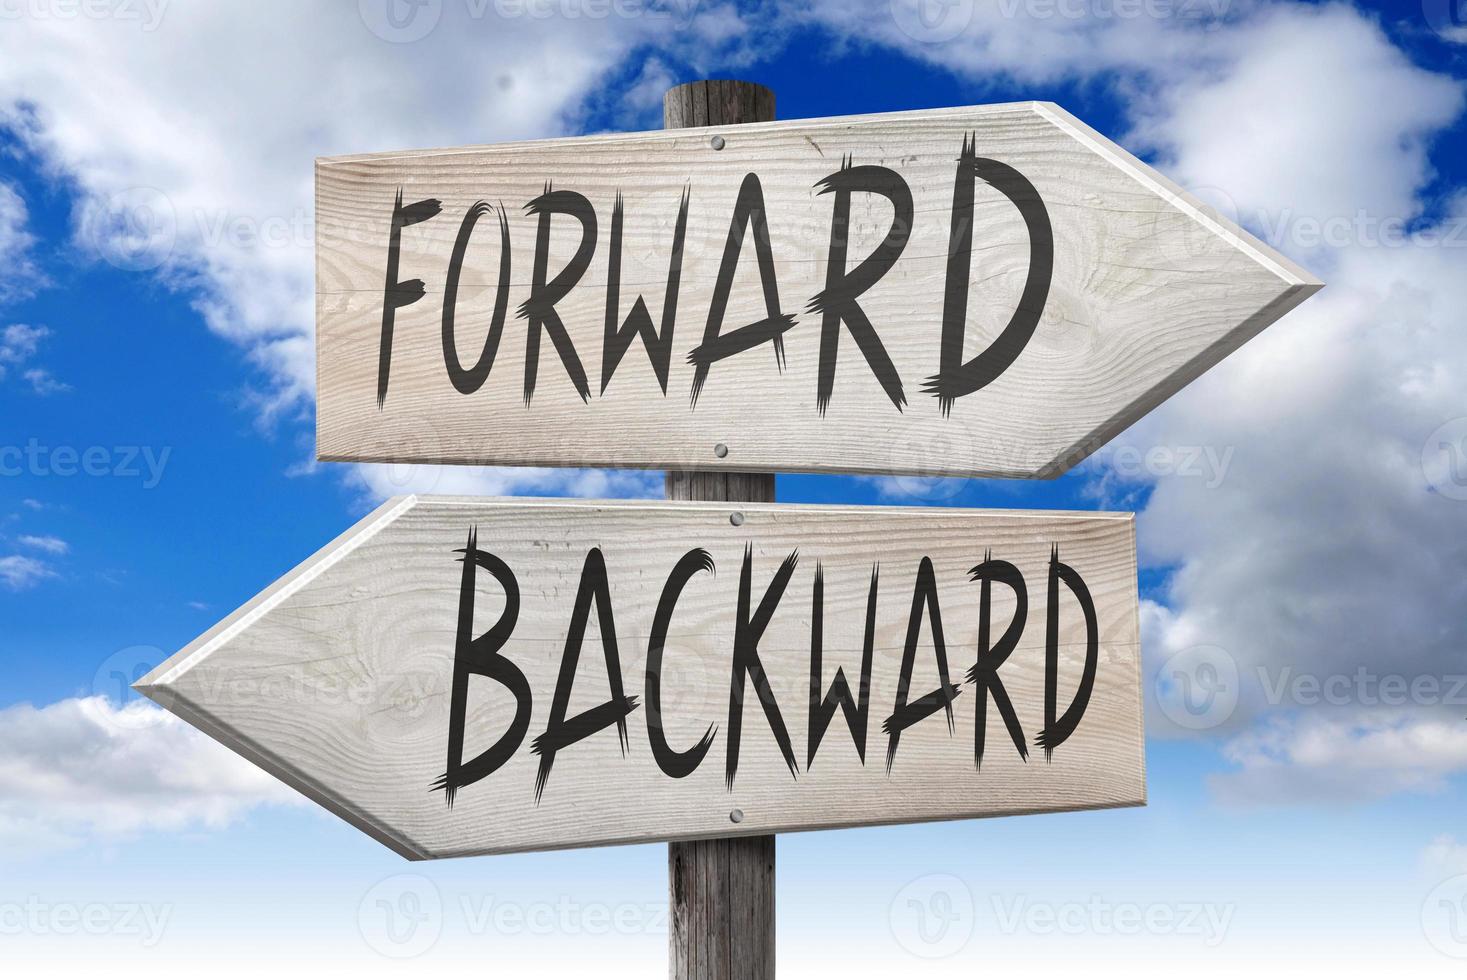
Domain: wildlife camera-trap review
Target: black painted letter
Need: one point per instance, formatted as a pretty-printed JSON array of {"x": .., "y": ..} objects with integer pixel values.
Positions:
[
  {"x": 716, "y": 345},
  {"x": 675, "y": 764},
  {"x": 471, "y": 380},
  {"x": 954, "y": 378},
  {"x": 481, "y": 656},
  {"x": 839, "y": 299},
  {"x": 639, "y": 322},
  {"x": 747, "y": 631},
  {"x": 539, "y": 309},
  {"x": 984, "y": 672},
  {"x": 904, "y": 715},
  {"x": 560, "y": 731},
  {"x": 1057, "y": 730},
  {"x": 821, "y": 712},
  {"x": 396, "y": 295}
]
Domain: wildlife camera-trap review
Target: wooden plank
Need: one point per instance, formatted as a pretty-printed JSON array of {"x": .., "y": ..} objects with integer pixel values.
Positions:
[
  {"x": 1146, "y": 292},
  {"x": 340, "y": 677}
]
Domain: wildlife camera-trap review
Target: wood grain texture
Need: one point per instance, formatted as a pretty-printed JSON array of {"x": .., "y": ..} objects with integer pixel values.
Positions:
[
  {"x": 338, "y": 678},
  {"x": 1148, "y": 291},
  {"x": 718, "y": 102},
  {"x": 717, "y": 485},
  {"x": 721, "y": 913}
]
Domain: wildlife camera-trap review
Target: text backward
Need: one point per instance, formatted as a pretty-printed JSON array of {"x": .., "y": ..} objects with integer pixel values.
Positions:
[{"x": 459, "y": 676}]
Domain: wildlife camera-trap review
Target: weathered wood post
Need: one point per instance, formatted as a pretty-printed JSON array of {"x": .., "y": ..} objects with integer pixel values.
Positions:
[{"x": 721, "y": 891}]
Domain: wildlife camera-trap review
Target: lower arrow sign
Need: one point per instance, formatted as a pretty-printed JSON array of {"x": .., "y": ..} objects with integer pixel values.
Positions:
[{"x": 464, "y": 676}]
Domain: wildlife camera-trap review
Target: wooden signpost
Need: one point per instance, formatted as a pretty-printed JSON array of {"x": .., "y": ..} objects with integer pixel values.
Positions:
[
  {"x": 990, "y": 291},
  {"x": 720, "y": 889}
]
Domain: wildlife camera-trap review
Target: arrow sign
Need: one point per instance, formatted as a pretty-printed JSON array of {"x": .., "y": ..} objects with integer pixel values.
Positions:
[
  {"x": 459, "y": 676},
  {"x": 984, "y": 291}
]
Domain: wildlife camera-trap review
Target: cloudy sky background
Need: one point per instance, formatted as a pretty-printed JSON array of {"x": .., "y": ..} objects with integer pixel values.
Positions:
[{"x": 156, "y": 293}]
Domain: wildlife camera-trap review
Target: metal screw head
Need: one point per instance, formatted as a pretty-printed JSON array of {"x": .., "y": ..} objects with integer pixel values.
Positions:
[
  {"x": 736, "y": 519},
  {"x": 720, "y": 450},
  {"x": 716, "y": 142},
  {"x": 736, "y": 815}
]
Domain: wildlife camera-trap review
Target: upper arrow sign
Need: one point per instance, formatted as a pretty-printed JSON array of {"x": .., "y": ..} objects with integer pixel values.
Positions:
[{"x": 987, "y": 291}]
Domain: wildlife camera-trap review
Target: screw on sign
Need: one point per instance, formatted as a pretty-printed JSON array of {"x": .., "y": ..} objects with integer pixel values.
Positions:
[{"x": 751, "y": 668}]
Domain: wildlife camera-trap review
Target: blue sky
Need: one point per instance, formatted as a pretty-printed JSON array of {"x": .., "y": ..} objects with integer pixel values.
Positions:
[{"x": 1324, "y": 538}]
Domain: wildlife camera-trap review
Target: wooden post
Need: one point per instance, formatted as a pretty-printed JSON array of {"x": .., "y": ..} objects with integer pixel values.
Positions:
[{"x": 721, "y": 891}]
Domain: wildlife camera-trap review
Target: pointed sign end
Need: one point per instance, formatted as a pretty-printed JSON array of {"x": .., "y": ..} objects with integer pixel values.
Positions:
[{"x": 156, "y": 690}]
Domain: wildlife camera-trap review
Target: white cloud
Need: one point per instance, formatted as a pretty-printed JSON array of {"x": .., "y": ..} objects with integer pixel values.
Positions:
[
  {"x": 18, "y": 572},
  {"x": 645, "y": 94},
  {"x": 1026, "y": 42},
  {"x": 84, "y": 769},
  {"x": 42, "y": 382},
  {"x": 47, "y": 543},
  {"x": 378, "y": 481},
  {"x": 1304, "y": 116},
  {"x": 1320, "y": 760},
  {"x": 18, "y": 344},
  {"x": 19, "y": 276},
  {"x": 1445, "y": 856}
]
